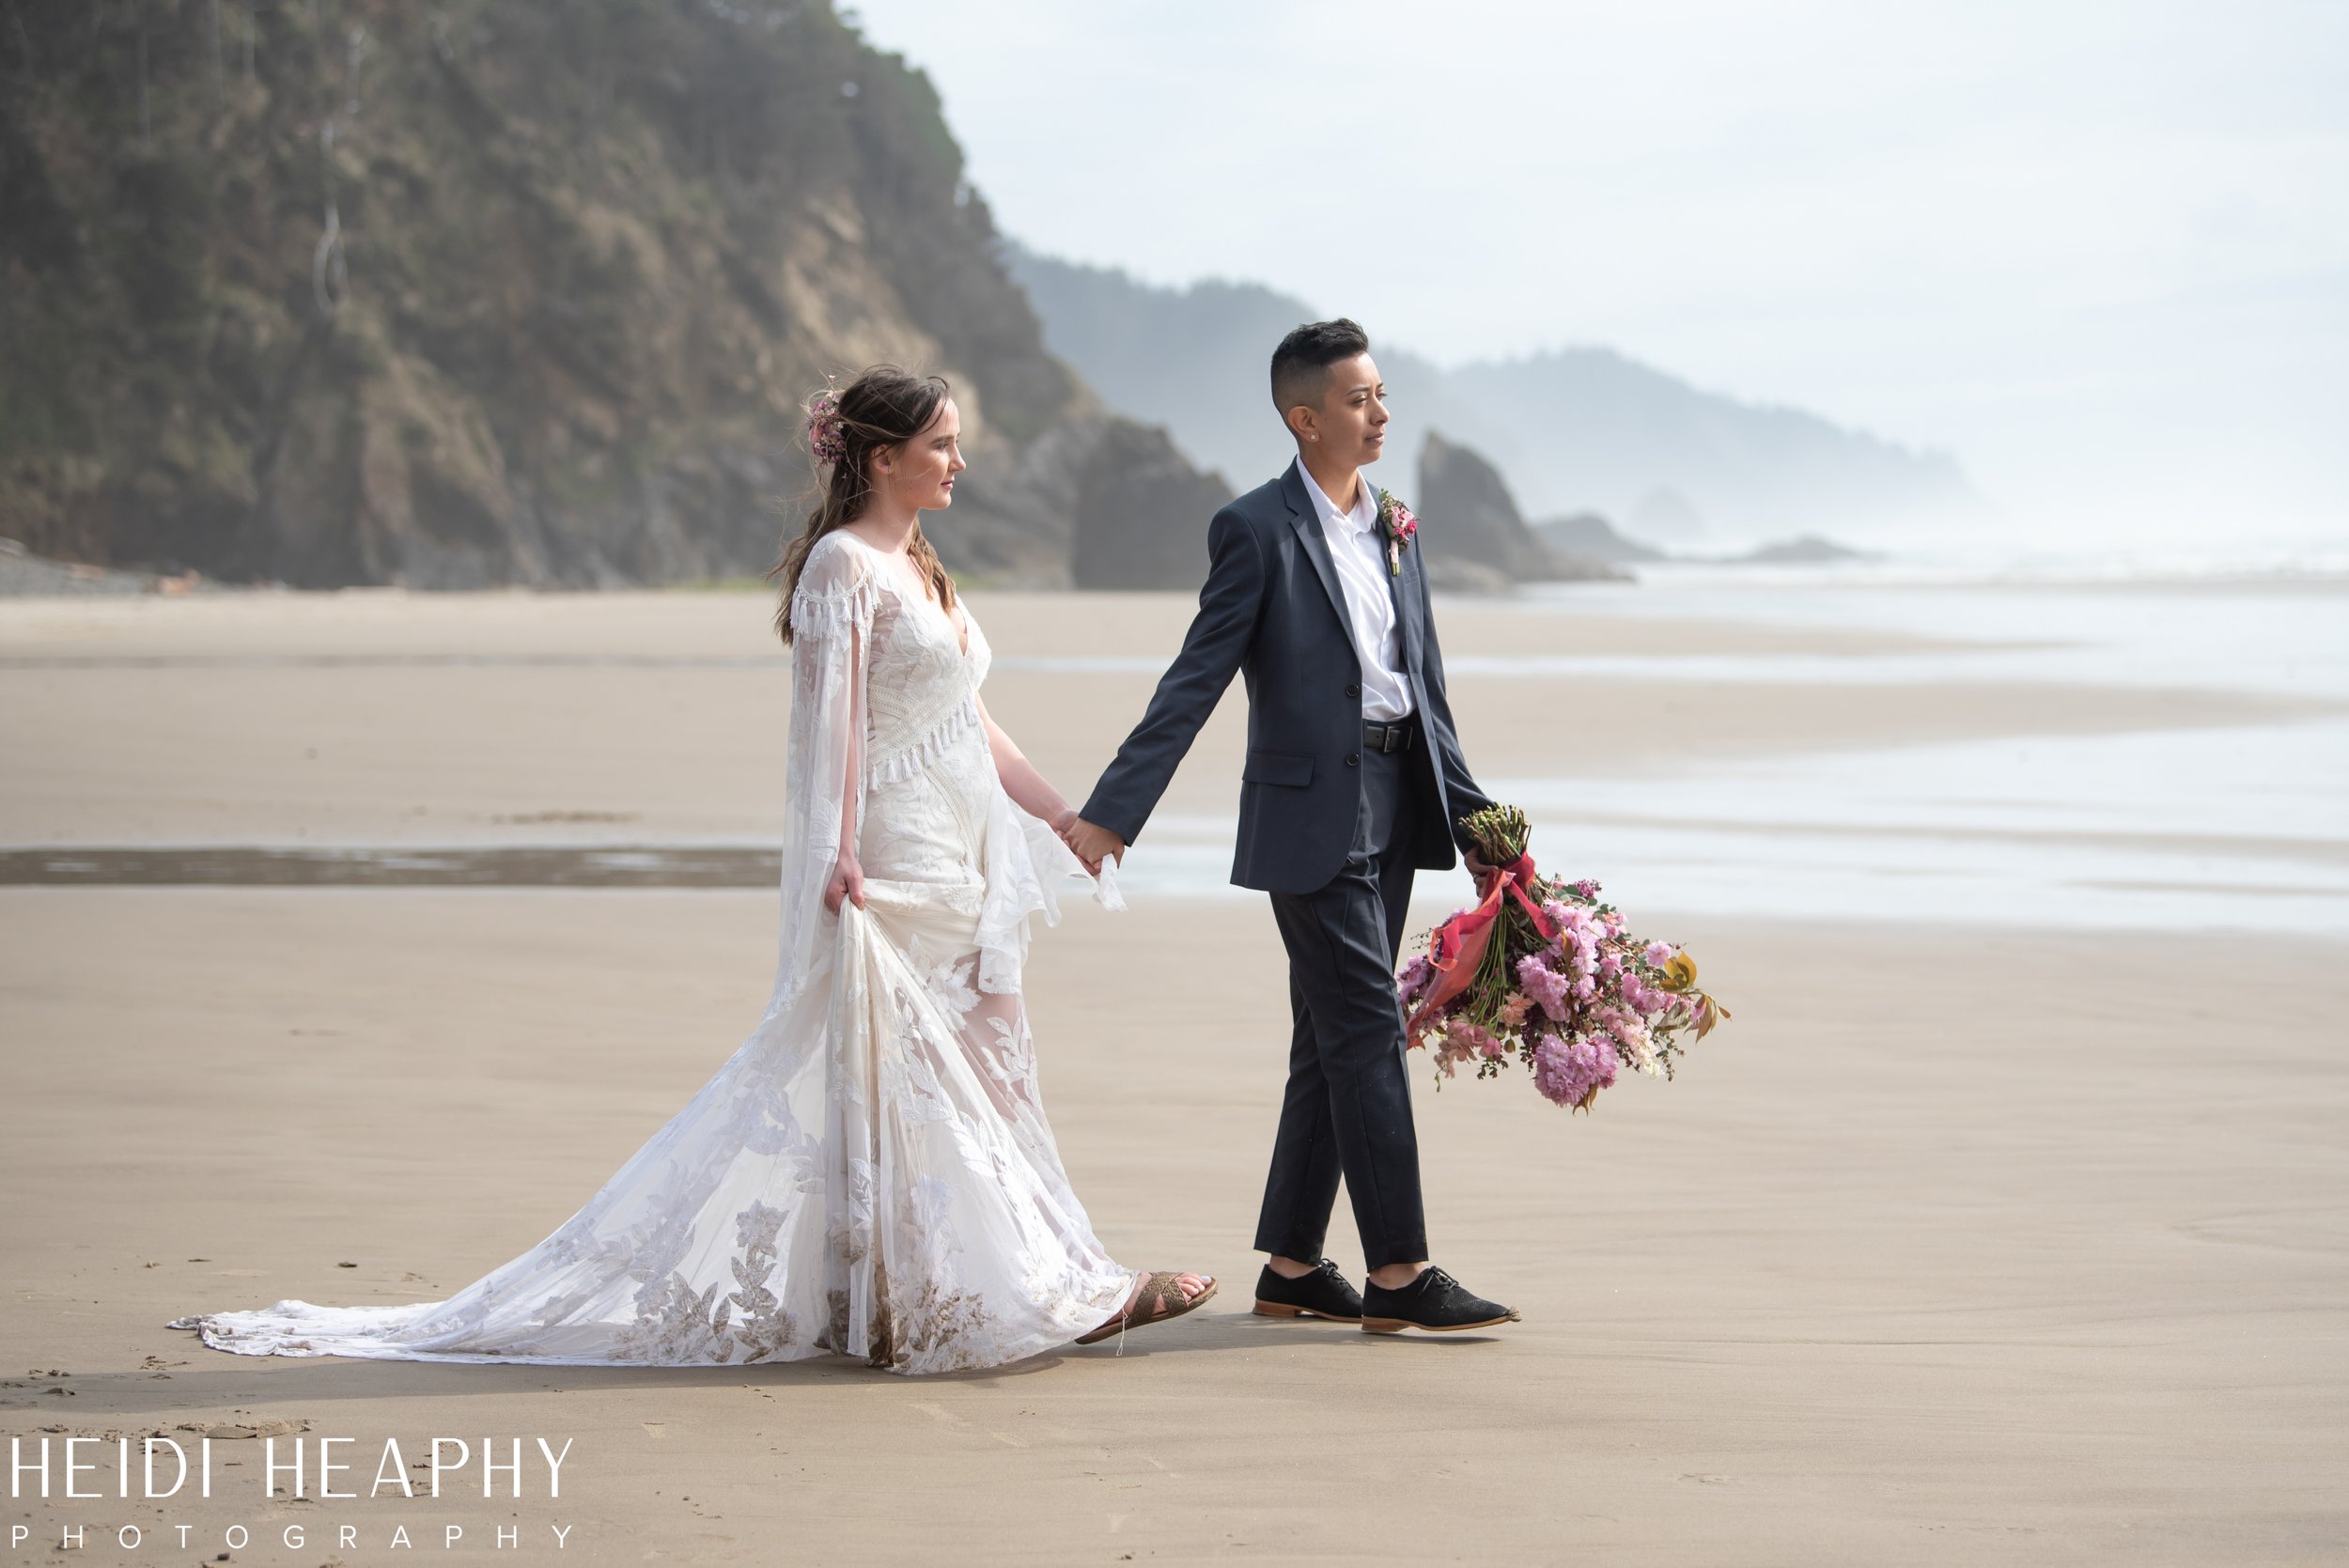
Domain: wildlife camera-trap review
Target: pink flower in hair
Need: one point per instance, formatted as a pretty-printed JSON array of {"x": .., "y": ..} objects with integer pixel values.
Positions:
[{"x": 825, "y": 438}]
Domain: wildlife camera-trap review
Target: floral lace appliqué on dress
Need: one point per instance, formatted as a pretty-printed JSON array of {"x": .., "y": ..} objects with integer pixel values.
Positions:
[{"x": 871, "y": 1172}]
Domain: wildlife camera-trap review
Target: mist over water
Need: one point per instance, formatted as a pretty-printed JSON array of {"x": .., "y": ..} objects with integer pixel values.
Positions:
[
  {"x": 2097, "y": 253},
  {"x": 2243, "y": 827}
]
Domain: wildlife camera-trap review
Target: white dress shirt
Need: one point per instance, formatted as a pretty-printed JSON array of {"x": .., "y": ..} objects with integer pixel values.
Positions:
[{"x": 1360, "y": 557}]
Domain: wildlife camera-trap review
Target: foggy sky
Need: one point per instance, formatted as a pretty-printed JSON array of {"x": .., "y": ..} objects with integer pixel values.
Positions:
[{"x": 2100, "y": 252}]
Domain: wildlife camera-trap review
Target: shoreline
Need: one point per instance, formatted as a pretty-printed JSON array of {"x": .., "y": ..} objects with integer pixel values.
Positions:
[{"x": 688, "y": 746}]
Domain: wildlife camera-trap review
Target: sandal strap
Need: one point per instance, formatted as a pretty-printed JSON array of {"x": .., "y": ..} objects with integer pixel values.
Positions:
[
  {"x": 1161, "y": 1293},
  {"x": 1158, "y": 1292}
]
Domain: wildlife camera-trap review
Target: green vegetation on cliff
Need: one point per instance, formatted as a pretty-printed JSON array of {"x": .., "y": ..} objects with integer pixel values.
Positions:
[{"x": 459, "y": 293}]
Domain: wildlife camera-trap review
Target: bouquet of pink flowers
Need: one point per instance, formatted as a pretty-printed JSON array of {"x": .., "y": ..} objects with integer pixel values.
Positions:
[{"x": 1542, "y": 971}]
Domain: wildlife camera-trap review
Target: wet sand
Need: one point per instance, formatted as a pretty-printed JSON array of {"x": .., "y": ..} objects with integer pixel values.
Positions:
[
  {"x": 400, "y": 718},
  {"x": 1956, "y": 1246}
]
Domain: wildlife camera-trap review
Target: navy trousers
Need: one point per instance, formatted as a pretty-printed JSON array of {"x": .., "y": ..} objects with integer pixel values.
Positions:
[{"x": 1347, "y": 1108}]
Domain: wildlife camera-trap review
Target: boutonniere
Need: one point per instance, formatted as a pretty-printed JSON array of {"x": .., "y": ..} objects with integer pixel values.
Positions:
[{"x": 1397, "y": 523}]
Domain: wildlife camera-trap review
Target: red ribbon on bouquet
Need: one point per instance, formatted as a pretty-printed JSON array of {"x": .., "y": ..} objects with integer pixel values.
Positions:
[{"x": 1457, "y": 946}]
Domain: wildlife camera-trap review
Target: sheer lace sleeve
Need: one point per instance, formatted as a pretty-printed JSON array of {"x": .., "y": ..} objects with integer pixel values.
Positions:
[{"x": 831, "y": 630}]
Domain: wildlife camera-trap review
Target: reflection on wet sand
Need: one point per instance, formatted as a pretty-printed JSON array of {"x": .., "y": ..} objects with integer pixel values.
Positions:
[
  {"x": 387, "y": 662},
  {"x": 506, "y": 866}
]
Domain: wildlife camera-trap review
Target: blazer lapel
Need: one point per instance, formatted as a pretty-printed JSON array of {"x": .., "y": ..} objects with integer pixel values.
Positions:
[
  {"x": 1307, "y": 522},
  {"x": 1405, "y": 602},
  {"x": 1405, "y": 607},
  {"x": 1398, "y": 563}
]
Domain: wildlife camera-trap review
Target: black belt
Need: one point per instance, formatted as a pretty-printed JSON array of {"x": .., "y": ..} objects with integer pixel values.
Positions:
[{"x": 1396, "y": 736}]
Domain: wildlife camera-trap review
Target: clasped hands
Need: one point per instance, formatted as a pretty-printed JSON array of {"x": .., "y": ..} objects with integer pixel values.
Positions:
[
  {"x": 1092, "y": 842},
  {"x": 1088, "y": 840}
]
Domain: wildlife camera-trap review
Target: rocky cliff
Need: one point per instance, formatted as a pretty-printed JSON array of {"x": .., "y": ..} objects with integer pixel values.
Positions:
[
  {"x": 1145, "y": 512},
  {"x": 491, "y": 291},
  {"x": 1594, "y": 538},
  {"x": 1474, "y": 537}
]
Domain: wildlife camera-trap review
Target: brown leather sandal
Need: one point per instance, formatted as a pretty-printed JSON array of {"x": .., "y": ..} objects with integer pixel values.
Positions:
[{"x": 1160, "y": 1300}]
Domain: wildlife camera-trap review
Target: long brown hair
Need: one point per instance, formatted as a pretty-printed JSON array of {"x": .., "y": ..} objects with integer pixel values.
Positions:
[{"x": 882, "y": 408}]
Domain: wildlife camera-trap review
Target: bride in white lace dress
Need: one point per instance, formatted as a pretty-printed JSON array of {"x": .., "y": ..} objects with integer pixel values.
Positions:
[{"x": 871, "y": 1173}]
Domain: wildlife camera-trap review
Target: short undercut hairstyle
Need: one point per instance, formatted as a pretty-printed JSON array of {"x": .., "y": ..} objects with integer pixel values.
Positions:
[{"x": 1300, "y": 365}]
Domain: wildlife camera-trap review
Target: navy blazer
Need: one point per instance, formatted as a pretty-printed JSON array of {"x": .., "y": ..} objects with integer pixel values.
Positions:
[{"x": 1272, "y": 609}]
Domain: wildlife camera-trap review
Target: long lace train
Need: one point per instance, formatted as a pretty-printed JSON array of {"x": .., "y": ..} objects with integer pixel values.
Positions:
[{"x": 871, "y": 1172}]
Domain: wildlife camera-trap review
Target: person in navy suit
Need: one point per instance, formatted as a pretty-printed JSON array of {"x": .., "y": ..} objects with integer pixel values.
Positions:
[{"x": 1353, "y": 781}]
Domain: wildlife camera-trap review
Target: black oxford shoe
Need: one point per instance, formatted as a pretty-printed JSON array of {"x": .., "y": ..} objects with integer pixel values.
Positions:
[
  {"x": 1435, "y": 1301},
  {"x": 1324, "y": 1293}
]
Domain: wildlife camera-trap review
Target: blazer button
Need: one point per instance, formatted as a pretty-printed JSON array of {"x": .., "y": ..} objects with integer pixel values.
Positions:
[
  {"x": 1353, "y": 691},
  {"x": 1353, "y": 759}
]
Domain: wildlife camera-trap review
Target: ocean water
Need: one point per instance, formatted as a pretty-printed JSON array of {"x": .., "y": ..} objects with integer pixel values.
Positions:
[
  {"x": 2238, "y": 827},
  {"x": 2243, "y": 827}
]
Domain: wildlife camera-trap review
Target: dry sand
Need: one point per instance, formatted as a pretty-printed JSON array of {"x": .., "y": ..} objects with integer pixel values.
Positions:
[{"x": 1956, "y": 1246}]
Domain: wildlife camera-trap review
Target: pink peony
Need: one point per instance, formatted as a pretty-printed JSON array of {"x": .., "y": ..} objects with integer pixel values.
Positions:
[
  {"x": 1451, "y": 1049},
  {"x": 1548, "y": 987},
  {"x": 1569, "y": 1072},
  {"x": 1412, "y": 984}
]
